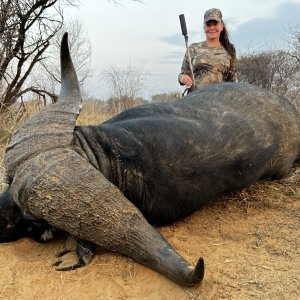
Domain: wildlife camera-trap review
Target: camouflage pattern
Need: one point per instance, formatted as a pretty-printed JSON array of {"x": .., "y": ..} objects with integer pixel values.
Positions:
[
  {"x": 213, "y": 14},
  {"x": 210, "y": 65}
]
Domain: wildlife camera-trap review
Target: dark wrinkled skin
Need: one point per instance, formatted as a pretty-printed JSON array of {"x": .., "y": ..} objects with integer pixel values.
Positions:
[{"x": 168, "y": 159}]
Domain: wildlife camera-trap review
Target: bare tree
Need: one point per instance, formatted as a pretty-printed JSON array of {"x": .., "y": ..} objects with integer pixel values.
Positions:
[
  {"x": 26, "y": 28},
  {"x": 294, "y": 52},
  {"x": 125, "y": 85},
  {"x": 274, "y": 70},
  {"x": 255, "y": 69},
  {"x": 294, "y": 42}
]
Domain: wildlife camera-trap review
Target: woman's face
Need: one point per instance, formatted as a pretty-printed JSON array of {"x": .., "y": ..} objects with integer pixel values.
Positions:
[{"x": 213, "y": 29}]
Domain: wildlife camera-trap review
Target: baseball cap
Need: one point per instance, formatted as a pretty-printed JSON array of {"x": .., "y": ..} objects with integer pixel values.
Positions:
[{"x": 213, "y": 14}]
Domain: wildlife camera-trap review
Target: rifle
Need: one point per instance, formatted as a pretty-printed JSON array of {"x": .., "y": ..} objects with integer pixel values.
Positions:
[{"x": 185, "y": 34}]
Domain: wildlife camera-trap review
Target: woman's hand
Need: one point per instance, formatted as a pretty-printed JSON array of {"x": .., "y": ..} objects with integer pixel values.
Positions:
[{"x": 186, "y": 80}]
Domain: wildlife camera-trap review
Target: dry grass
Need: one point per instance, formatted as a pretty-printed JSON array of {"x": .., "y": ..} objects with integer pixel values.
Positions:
[{"x": 94, "y": 112}]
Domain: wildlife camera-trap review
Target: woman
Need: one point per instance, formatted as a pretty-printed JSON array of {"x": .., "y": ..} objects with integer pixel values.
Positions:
[{"x": 213, "y": 60}]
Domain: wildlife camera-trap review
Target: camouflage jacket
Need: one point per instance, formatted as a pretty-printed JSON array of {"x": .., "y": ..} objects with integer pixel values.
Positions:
[{"x": 210, "y": 65}]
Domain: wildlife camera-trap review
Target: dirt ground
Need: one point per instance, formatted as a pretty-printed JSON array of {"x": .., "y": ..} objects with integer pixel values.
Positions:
[{"x": 250, "y": 242}]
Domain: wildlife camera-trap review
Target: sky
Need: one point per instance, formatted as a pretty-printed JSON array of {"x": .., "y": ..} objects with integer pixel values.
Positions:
[{"x": 147, "y": 36}]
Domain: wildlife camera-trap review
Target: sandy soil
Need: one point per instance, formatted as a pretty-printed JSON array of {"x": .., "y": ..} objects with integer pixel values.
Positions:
[{"x": 250, "y": 242}]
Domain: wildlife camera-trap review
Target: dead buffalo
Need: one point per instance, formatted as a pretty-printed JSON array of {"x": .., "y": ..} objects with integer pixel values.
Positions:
[{"x": 164, "y": 160}]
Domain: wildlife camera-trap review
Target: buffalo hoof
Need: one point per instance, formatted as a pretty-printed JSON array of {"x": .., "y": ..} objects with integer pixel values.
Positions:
[
  {"x": 68, "y": 261},
  {"x": 74, "y": 257}
]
